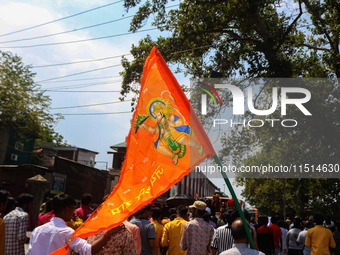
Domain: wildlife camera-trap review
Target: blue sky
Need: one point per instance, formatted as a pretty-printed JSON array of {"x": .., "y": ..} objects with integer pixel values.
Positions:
[{"x": 95, "y": 132}]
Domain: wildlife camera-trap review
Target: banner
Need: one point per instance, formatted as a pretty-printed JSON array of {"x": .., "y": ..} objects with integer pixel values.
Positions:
[{"x": 165, "y": 142}]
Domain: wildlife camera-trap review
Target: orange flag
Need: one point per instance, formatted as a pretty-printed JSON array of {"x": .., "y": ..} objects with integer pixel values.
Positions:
[{"x": 165, "y": 142}]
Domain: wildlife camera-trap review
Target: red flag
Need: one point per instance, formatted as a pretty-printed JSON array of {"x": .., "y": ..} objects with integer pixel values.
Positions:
[{"x": 165, "y": 142}]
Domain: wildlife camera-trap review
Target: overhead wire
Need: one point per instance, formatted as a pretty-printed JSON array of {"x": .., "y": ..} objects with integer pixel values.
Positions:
[
  {"x": 81, "y": 61},
  {"x": 98, "y": 113},
  {"x": 85, "y": 79},
  {"x": 69, "y": 31},
  {"x": 73, "y": 30},
  {"x": 98, "y": 69},
  {"x": 89, "y": 105},
  {"x": 88, "y": 71},
  {"x": 83, "y": 91},
  {"x": 84, "y": 85},
  {"x": 67, "y": 17},
  {"x": 100, "y": 59},
  {"x": 78, "y": 41}
]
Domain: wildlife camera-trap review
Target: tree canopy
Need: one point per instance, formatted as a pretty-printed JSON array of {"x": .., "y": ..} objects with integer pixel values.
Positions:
[
  {"x": 23, "y": 106},
  {"x": 253, "y": 39}
]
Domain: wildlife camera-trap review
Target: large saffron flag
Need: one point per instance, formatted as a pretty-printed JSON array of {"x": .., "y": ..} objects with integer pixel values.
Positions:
[{"x": 165, "y": 142}]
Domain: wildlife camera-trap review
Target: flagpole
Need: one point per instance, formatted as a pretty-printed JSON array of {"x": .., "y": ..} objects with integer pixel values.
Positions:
[{"x": 245, "y": 223}]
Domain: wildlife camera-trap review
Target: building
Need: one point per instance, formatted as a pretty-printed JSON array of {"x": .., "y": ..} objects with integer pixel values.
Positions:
[
  {"x": 195, "y": 184},
  {"x": 80, "y": 155},
  {"x": 117, "y": 161},
  {"x": 50, "y": 170},
  {"x": 16, "y": 148}
]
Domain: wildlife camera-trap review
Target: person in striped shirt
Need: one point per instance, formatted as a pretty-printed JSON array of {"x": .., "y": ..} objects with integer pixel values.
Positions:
[{"x": 223, "y": 240}]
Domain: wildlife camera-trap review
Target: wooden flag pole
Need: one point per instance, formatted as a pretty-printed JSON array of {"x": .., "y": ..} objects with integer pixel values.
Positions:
[{"x": 239, "y": 209}]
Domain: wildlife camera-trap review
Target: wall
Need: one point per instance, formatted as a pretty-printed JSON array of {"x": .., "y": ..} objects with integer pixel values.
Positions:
[
  {"x": 83, "y": 179},
  {"x": 84, "y": 157},
  {"x": 4, "y": 135}
]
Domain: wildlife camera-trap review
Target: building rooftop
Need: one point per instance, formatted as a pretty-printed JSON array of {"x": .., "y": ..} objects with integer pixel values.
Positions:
[
  {"x": 118, "y": 145},
  {"x": 64, "y": 148}
]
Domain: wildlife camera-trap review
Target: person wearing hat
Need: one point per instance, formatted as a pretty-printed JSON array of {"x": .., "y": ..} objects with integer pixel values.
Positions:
[{"x": 197, "y": 233}]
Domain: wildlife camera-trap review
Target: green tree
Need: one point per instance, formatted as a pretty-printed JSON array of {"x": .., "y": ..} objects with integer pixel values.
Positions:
[
  {"x": 23, "y": 106},
  {"x": 240, "y": 38},
  {"x": 257, "y": 38}
]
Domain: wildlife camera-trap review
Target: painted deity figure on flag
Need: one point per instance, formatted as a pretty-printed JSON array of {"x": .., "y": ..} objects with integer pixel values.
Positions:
[{"x": 173, "y": 133}]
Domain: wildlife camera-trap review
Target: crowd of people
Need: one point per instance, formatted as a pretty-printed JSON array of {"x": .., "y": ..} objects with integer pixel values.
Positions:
[{"x": 203, "y": 228}]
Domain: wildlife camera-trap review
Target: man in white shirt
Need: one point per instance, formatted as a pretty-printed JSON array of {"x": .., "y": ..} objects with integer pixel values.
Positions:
[
  {"x": 55, "y": 234},
  {"x": 292, "y": 235},
  {"x": 302, "y": 238}
]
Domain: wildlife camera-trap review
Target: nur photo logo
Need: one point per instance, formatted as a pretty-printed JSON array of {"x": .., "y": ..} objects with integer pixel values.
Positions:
[{"x": 278, "y": 100}]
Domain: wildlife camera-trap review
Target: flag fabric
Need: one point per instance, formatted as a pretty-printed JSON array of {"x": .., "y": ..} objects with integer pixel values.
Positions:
[{"x": 165, "y": 142}]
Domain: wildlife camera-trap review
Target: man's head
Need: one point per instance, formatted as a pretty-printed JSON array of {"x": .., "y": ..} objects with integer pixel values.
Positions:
[
  {"x": 297, "y": 222},
  {"x": 49, "y": 204},
  {"x": 207, "y": 217},
  {"x": 156, "y": 213},
  {"x": 198, "y": 209},
  {"x": 86, "y": 199},
  {"x": 144, "y": 213},
  {"x": 238, "y": 232},
  {"x": 318, "y": 219},
  {"x": 182, "y": 211},
  {"x": 309, "y": 224},
  {"x": 230, "y": 215},
  {"x": 263, "y": 221},
  {"x": 3, "y": 200},
  {"x": 11, "y": 204},
  {"x": 275, "y": 219},
  {"x": 25, "y": 201},
  {"x": 63, "y": 206},
  {"x": 172, "y": 211}
]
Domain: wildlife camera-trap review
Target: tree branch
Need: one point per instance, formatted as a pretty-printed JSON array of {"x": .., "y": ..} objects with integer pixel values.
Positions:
[
  {"x": 223, "y": 31},
  {"x": 323, "y": 28},
  {"x": 313, "y": 47},
  {"x": 289, "y": 29}
]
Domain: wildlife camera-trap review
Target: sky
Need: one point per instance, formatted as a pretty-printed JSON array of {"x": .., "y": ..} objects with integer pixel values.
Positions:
[{"x": 94, "y": 132}]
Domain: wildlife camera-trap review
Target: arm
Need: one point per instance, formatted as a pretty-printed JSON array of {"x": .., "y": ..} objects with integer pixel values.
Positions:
[
  {"x": 138, "y": 240},
  {"x": 2, "y": 237},
  {"x": 153, "y": 246},
  {"x": 151, "y": 239},
  {"x": 214, "y": 243},
  {"x": 165, "y": 237},
  {"x": 213, "y": 251},
  {"x": 308, "y": 237},
  {"x": 272, "y": 241},
  {"x": 331, "y": 240},
  {"x": 280, "y": 241},
  {"x": 212, "y": 232},
  {"x": 287, "y": 240},
  {"x": 152, "y": 130},
  {"x": 298, "y": 239},
  {"x": 23, "y": 224},
  {"x": 183, "y": 243}
]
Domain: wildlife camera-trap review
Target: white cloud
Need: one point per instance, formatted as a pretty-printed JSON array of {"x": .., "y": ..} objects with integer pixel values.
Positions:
[
  {"x": 16, "y": 15},
  {"x": 20, "y": 15}
]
